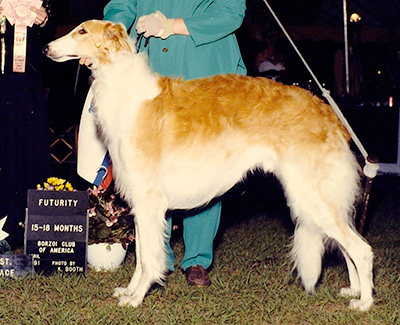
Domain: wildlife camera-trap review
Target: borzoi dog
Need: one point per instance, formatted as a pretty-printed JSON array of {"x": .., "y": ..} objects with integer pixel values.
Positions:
[{"x": 178, "y": 144}]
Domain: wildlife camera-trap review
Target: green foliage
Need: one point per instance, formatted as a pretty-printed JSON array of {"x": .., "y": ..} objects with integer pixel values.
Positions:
[{"x": 5, "y": 247}]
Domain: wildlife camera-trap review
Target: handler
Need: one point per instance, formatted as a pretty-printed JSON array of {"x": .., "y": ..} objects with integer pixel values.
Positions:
[{"x": 188, "y": 39}]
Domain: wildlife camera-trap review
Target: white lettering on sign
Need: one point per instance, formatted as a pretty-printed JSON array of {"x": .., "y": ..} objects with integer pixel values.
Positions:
[
  {"x": 68, "y": 244},
  {"x": 68, "y": 228},
  {"x": 5, "y": 261},
  {"x": 47, "y": 243},
  {"x": 58, "y": 203},
  {"x": 62, "y": 250},
  {"x": 73, "y": 269},
  {"x": 7, "y": 272}
]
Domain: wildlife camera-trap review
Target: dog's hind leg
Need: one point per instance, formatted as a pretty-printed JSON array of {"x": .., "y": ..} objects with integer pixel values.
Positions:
[
  {"x": 308, "y": 248},
  {"x": 322, "y": 199},
  {"x": 359, "y": 253},
  {"x": 354, "y": 289},
  {"x": 150, "y": 226}
]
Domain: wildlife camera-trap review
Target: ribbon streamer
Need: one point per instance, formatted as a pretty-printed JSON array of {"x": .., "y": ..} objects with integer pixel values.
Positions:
[
  {"x": 18, "y": 13},
  {"x": 3, "y": 43}
]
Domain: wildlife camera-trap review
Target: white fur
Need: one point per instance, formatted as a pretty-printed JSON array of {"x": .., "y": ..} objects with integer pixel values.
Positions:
[{"x": 320, "y": 186}]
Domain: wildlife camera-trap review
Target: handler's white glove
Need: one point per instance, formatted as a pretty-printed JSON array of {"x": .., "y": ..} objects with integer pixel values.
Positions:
[{"x": 156, "y": 25}]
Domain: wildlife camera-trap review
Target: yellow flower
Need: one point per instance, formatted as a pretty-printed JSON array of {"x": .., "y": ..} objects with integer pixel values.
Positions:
[
  {"x": 58, "y": 184},
  {"x": 51, "y": 180}
]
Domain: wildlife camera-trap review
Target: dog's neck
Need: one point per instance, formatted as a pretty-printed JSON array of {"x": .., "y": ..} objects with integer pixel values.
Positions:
[{"x": 120, "y": 87}]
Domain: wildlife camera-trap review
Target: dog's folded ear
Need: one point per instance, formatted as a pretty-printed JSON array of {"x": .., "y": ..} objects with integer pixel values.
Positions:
[{"x": 116, "y": 38}]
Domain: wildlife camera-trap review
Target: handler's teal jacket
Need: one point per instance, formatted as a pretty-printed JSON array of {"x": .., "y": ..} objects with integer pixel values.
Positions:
[{"x": 210, "y": 49}]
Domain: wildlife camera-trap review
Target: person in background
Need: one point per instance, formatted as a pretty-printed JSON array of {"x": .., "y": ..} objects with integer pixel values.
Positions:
[
  {"x": 188, "y": 39},
  {"x": 270, "y": 62},
  {"x": 24, "y": 145}
]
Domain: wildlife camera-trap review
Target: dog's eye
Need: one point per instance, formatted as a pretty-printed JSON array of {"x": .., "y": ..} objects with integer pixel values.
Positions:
[{"x": 82, "y": 31}]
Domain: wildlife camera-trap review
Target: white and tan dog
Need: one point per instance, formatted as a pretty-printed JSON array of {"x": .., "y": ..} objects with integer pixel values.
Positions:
[{"x": 178, "y": 144}]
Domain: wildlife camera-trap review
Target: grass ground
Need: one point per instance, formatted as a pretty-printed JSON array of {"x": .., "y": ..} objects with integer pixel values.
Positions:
[{"x": 251, "y": 278}]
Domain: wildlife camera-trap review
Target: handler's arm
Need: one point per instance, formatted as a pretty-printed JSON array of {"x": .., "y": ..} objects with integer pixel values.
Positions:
[
  {"x": 121, "y": 11},
  {"x": 216, "y": 21},
  {"x": 208, "y": 23}
]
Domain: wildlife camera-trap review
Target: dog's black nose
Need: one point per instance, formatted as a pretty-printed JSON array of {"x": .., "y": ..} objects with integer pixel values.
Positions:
[{"x": 45, "y": 49}]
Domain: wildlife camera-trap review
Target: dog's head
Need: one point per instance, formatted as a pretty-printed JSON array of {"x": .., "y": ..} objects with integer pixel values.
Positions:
[{"x": 94, "y": 39}]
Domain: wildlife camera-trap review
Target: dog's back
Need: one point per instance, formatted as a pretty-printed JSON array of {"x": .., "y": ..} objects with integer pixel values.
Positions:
[{"x": 265, "y": 110}]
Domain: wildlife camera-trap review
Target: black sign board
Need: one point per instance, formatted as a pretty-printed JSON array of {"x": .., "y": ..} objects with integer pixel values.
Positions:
[
  {"x": 56, "y": 230},
  {"x": 15, "y": 266}
]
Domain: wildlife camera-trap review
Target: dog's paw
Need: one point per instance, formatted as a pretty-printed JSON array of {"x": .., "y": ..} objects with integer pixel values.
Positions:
[
  {"x": 121, "y": 291},
  {"x": 349, "y": 292},
  {"x": 361, "y": 305},
  {"x": 130, "y": 301}
]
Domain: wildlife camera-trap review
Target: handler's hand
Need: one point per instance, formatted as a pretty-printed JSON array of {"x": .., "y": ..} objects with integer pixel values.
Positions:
[
  {"x": 156, "y": 25},
  {"x": 85, "y": 61}
]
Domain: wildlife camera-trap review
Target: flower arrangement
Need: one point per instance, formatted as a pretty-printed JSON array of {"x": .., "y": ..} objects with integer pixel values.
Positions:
[
  {"x": 110, "y": 220},
  {"x": 55, "y": 184}
]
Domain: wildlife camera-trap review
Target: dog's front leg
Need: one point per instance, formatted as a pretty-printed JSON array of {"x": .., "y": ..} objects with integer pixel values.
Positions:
[
  {"x": 133, "y": 284},
  {"x": 150, "y": 229}
]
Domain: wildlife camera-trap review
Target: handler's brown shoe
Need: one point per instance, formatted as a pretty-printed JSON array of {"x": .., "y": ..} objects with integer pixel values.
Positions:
[{"x": 197, "y": 276}]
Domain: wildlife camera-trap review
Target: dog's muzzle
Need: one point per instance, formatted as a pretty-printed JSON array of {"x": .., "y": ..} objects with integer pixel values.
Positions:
[{"x": 46, "y": 50}]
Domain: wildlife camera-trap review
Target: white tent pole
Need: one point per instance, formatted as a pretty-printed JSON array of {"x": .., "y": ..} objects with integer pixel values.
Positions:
[{"x": 346, "y": 47}]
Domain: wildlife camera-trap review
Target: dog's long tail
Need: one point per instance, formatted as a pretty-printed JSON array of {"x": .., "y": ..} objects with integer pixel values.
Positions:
[{"x": 307, "y": 251}]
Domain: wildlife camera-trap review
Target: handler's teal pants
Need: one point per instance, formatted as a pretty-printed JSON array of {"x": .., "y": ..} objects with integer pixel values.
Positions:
[{"x": 198, "y": 234}]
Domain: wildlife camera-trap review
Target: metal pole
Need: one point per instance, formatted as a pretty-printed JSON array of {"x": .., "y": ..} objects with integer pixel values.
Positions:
[{"x": 346, "y": 47}]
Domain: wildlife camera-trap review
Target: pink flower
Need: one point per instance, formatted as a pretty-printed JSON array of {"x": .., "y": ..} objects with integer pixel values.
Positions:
[
  {"x": 109, "y": 223},
  {"x": 95, "y": 191},
  {"x": 92, "y": 212},
  {"x": 110, "y": 208}
]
